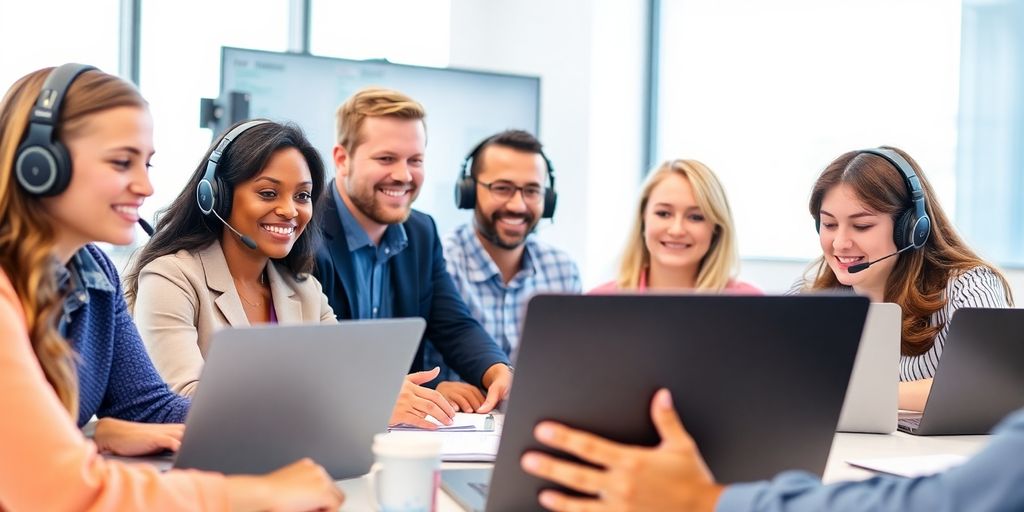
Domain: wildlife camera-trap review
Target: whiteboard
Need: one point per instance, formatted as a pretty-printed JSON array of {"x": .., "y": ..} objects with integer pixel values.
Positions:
[{"x": 463, "y": 107}]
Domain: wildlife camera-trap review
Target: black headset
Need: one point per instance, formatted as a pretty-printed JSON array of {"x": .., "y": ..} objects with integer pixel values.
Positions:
[
  {"x": 208, "y": 193},
  {"x": 912, "y": 226},
  {"x": 42, "y": 164},
  {"x": 465, "y": 186}
]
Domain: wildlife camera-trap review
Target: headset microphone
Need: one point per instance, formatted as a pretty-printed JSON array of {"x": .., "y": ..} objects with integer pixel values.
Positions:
[
  {"x": 249, "y": 242},
  {"x": 146, "y": 226},
  {"x": 863, "y": 266}
]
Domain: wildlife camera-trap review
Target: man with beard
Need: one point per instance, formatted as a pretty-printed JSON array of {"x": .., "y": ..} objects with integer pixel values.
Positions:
[
  {"x": 496, "y": 263},
  {"x": 381, "y": 259}
]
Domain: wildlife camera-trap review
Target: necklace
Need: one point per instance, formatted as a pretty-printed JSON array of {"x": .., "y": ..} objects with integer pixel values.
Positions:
[{"x": 245, "y": 300}]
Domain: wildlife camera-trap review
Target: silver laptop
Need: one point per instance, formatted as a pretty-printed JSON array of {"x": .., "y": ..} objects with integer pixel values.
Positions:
[
  {"x": 872, "y": 398},
  {"x": 980, "y": 377},
  {"x": 271, "y": 395}
]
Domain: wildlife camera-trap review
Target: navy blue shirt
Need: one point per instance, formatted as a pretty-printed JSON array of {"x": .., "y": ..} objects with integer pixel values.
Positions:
[{"x": 374, "y": 294}]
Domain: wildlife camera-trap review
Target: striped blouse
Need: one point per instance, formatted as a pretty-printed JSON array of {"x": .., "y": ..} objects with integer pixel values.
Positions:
[{"x": 978, "y": 287}]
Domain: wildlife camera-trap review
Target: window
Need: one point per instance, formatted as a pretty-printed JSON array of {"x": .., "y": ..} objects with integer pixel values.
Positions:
[
  {"x": 180, "y": 63},
  {"x": 402, "y": 31},
  {"x": 768, "y": 93},
  {"x": 32, "y": 37}
]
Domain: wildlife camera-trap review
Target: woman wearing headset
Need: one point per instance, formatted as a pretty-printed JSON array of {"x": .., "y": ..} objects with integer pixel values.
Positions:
[
  {"x": 240, "y": 254},
  {"x": 69, "y": 347},
  {"x": 873, "y": 203},
  {"x": 683, "y": 236}
]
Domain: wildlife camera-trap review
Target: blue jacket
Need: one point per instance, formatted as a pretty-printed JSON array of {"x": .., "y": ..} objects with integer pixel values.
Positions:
[
  {"x": 115, "y": 376},
  {"x": 423, "y": 288}
]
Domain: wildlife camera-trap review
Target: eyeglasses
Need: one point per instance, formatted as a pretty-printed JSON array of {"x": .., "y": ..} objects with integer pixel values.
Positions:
[{"x": 505, "y": 191}]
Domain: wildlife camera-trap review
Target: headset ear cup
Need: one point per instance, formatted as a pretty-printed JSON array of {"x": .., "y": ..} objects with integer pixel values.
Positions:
[
  {"x": 465, "y": 193},
  {"x": 63, "y": 170},
  {"x": 550, "y": 201},
  {"x": 902, "y": 233}
]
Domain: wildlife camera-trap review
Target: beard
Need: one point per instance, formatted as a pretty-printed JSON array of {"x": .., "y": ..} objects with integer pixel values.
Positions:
[
  {"x": 366, "y": 200},
  {"x": 488, "y": 228}
]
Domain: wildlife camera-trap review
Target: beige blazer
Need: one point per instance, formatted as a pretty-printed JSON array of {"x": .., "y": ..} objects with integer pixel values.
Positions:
[{"x": 184, "y": 297}]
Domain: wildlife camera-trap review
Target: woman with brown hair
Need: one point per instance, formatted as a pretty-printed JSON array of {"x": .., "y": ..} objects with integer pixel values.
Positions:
[
  {"x": 75, "y": 145},
  {"x": 884, "y": 235}
]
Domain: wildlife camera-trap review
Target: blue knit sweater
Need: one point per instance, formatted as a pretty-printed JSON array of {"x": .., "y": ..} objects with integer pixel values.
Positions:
[{"x": 115, "y": 375}]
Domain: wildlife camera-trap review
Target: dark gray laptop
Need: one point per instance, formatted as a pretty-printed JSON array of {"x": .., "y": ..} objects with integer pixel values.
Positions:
[
  {"x": 759, "y": 381},
  {"x": 980, "y": 377},
  {"x": 271, "y": 395}
]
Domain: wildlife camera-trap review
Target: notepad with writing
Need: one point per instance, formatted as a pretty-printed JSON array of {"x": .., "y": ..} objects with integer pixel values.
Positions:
[
  {"x": 461, "y": 446},
  {"x": 910, "y": 466},
  {"x": 462, "y": 422}
]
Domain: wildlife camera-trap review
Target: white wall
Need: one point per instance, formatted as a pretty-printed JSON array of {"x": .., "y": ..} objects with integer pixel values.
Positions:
[{"x": 590, "y": 56}]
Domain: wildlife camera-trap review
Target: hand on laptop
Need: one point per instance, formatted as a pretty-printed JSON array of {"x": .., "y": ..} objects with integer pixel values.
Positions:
[
  {"x": 415, "y": 402},
  {"x": 498, "y": 381},
  {"x": 128, "y": 438},
  {"x": 299, "y": 486},
  {"x": 670, "y": 476},
  {"x": 465, "y": 397}
]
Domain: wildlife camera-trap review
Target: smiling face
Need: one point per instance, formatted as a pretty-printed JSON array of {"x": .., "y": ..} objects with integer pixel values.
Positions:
[
  {"x": 507, "y": 222},
  {"x": 382, "y": 176},
  {"x": 275, "y": 206},
  {"x": 851, "y": 233},
  {"x": 677, "y": 233},
  {"x": 110, "y": 156}
]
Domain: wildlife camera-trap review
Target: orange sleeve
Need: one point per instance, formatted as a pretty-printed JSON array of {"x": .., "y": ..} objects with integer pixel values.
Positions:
[{"x": 45, "y": 461}]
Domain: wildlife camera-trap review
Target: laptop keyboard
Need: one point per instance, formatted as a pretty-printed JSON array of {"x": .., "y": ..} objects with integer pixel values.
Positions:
[{"x": 910, "y": 424}]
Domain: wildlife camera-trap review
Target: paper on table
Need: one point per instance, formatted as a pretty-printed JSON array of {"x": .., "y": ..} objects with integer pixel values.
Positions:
[
  {"x": 462, "y": 422},
  {"x": 911, "y": 466},
  {"x": 462, "y": 446}
]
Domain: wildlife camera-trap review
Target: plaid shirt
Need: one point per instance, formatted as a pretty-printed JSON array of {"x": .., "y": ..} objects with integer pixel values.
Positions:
[{"x": 500, "y": 307}]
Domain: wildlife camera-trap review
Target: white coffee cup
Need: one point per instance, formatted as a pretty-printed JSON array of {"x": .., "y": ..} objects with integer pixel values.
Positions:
[{"x": 406, "y": 473}]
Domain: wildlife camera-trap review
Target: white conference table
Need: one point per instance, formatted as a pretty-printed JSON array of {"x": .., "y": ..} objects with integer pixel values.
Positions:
[{"x": 844, "y": 447}]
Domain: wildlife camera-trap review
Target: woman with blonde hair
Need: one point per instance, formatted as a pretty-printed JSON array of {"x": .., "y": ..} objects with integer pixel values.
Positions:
[
  {"x": 884, "y": 235},
  {"x": 683, "y": 236},
  {"x": 75, "y": 145}
]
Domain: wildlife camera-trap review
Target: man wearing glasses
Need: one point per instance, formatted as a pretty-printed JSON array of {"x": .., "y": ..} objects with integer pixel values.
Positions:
[{"x": 495, "y": 262}]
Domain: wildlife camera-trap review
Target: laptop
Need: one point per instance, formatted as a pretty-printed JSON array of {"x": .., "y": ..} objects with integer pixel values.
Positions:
[
  {"x": 271, "y": 395},
  {"x": 980, "y": 377},
  {"x": 749, "y": 376},
  {"x": 872, "y": 398}
]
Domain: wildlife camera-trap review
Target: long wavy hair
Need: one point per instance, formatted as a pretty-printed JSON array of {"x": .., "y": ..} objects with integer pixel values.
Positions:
[
  {"x": 721, "y": 262},
  {"x": 181, "y": 226},
  {"x": 27, "y": 234},
  {"x": 919, "y": 279}
]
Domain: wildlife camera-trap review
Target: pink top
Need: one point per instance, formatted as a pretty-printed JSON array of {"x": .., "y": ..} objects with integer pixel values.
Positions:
[
  {"x": 734, "y": 286},
  {"x": 48, "y": 464}
]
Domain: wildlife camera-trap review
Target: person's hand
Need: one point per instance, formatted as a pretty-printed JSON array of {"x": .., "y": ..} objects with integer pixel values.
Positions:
[
  {"x": 128, "y": 438},
  {"x": 300, "y": 486},
  {"x": 415, "y": 402},
  {"x": 670, "y": 476},
  {"x": 498, "y": 381},
  {"x": 465, "y": 397}
]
